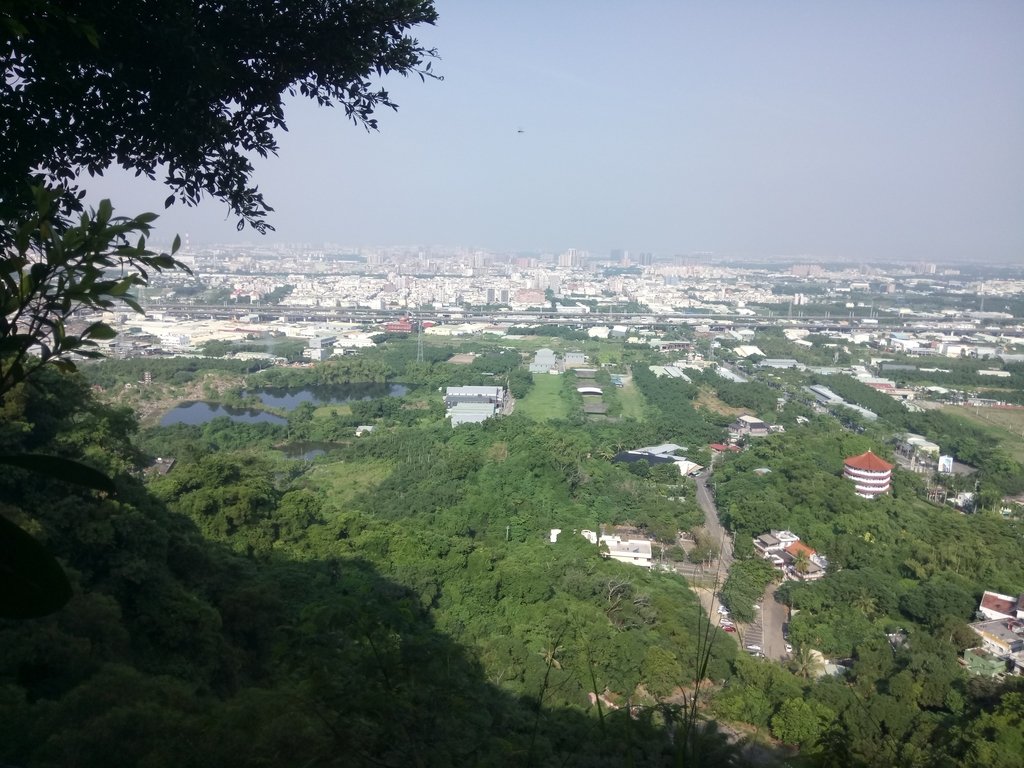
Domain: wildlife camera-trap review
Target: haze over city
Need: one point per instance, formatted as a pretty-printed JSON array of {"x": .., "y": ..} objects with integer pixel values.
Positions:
[{"x": 867, "y": 132}]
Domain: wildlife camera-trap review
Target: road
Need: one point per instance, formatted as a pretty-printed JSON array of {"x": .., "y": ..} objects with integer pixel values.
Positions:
[
  {"x": 725, "y": 557},
  {"x": 766, "y": 630},
  {"x": 707, "y": 504},
  {"x": 773, "y": 616}
]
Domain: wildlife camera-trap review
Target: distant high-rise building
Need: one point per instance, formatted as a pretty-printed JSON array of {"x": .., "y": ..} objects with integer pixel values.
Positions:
[
  {"x": 645, "y": 259},
  {"x": 571, "y": 258},
  {"x": 806, "y": 270}
]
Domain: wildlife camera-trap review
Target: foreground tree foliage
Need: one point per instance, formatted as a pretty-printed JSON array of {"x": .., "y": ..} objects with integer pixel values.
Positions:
[
  {"x": 186, "y": 89},
  {"x": 54, "y": 269}
]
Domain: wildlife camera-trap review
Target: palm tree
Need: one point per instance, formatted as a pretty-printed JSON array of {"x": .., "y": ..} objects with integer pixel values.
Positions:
[
  {"x": 866, "y": 604},
  {"x": 801, "y": 562},
  {"x": 548, "y": 654},
  {"x": 806, "y": 663}
]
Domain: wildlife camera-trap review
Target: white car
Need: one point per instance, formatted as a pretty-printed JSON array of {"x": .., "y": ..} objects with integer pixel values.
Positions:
[
  {"x": 789, "y": 648},
  {"x": 723, "y": 610},
  {"x": 753, "y": 647}
]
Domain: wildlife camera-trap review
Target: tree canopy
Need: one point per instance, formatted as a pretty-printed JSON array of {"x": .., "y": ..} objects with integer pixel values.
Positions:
[{"x": 187, "y": 89}]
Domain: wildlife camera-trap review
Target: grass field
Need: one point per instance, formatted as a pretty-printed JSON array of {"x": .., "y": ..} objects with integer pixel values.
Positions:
[
  {"x": 329, "y": 411},
  {"x": 341, "y": 481},
  {"x": 632, "y": 401},
  {"x": 707, "y": 399},
  {"x": 545, "y": 399},
  {"x": 1006, "y": 425}
]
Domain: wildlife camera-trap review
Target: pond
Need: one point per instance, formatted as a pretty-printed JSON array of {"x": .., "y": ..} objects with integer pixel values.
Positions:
[
  {"x": 281, "y": 397},
  {"x": 201, "y": 412}
]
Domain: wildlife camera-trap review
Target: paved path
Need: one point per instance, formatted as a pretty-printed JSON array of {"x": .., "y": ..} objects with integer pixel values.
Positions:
[
  {"x": 773, "y": 616},
  {"x": 721, "y": 570},
  {"x": 711, "y": 522}
]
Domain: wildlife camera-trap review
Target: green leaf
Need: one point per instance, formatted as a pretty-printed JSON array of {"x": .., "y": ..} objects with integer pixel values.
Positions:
[
  {"x": 100, "y": 331},
  {"x": 33, "y": 582},
  {"x": 60, "y": 468},
  {"x": 105, "y": 211}
]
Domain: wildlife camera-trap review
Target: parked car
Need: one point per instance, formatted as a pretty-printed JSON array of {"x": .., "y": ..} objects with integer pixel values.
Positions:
[
  {"x": 789, "y": 648},
  {"x": 729, "y": 628},
  {"x": 753, "y": 647}
]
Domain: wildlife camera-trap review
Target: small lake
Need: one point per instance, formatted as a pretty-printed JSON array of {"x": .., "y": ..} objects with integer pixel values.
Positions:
[
  {"x": 201, "y": 412},
  {"x": 281, "y": 397}
]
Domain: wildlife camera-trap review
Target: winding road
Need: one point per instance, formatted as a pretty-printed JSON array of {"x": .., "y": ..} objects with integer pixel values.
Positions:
[{"x": 773, "y": 614}]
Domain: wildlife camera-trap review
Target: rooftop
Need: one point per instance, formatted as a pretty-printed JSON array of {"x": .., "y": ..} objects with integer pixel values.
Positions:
[
  {"x": 868, "y": 461},
  {"x": 999, "y": 603},
  {"x": 799, "y": 548},
  {"x": 749, "y": 419}
]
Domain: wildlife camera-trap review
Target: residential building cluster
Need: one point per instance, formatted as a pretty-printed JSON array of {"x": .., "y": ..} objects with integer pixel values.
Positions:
[
  {"x": 796, "y": 560},
  {"x": 1001, "y": 631}
]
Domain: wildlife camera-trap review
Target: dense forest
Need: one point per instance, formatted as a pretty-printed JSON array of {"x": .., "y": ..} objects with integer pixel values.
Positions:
[{"x": 245, "y": 608}]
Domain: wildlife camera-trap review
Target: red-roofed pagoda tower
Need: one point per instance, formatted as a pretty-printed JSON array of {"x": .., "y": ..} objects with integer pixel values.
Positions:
[{"x": 871, "y": 475}]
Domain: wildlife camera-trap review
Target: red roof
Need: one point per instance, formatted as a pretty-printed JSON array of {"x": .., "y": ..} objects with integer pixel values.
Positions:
[
  {"x": 998, "y": 603},
  {"x": 868, "y": 462},
  {"x": 798, "y": 547},
  {"x": 722, "y": 447}
]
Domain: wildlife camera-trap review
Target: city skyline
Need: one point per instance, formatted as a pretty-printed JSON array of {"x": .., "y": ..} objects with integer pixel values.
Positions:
[{"x": 869, "y": 133}]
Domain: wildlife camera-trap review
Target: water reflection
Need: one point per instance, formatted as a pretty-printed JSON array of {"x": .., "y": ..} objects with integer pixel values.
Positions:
[
  {"x": 281, "y": 397},
  {"x": 202, "y": 412}
]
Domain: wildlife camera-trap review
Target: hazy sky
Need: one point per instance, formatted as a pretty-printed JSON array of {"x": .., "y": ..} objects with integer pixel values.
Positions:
[{"x": 867, "y": 130}]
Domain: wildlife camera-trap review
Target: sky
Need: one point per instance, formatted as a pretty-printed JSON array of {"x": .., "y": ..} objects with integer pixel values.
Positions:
[{"x": 870, "y": 131}]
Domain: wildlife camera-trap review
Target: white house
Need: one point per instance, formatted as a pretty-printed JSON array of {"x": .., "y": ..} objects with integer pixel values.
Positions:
[
  {"x": 632, "y": 551},
  {"x": 995, "y": 605}
]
